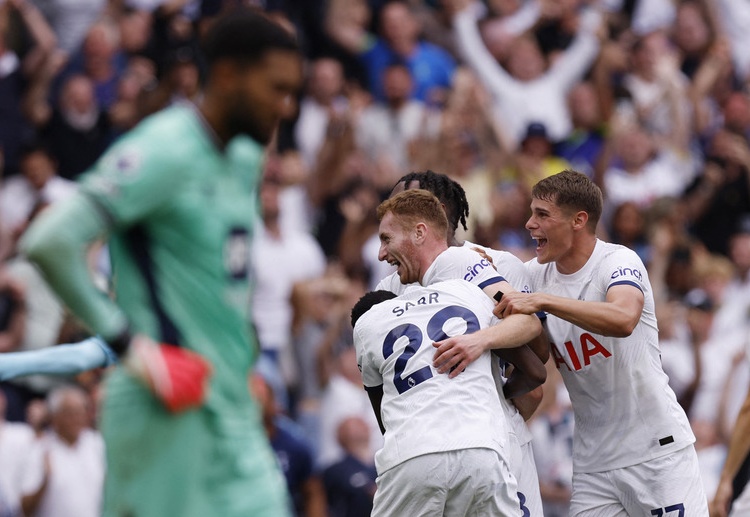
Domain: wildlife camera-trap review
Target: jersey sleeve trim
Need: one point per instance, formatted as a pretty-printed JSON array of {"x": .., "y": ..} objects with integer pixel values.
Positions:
[
  {"x": 625, "y": 282},
  {"x": 491, "y": 281},
  {"x": 371, "y": 389}
]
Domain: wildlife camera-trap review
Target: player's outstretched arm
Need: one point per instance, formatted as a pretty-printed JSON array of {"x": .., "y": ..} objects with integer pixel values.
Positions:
[
  {"x": 67, "y": 359},
  {"x": 57, "y": 243},
  {"x": 615, "y": 317},
  {"x": 739, "y": 448},
  {"x": 456, "y": 353}
]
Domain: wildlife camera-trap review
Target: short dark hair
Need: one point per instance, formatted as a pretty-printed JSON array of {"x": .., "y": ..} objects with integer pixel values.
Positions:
[
  {"x": 449, "y": 192},
  {"x": 245, "y": 35},
  {"x": 368, "y": 301},
  {"x": 573, "y": 190}
]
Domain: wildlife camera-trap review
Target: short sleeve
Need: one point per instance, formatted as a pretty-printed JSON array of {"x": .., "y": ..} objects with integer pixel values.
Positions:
[
  {"x": 132, "y": 180},
  {"x": 623, "y": 267}
]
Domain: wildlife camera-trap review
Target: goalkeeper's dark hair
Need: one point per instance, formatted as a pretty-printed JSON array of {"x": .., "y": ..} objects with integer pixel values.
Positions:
[
  {"x": 245, "y": 35},
  {"x": 368, "y": 301},
  {"x": 449, "y": 192}
]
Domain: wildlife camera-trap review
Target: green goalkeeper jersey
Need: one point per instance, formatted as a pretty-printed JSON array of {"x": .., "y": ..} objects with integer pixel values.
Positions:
[{"x": 181, "y": 225}]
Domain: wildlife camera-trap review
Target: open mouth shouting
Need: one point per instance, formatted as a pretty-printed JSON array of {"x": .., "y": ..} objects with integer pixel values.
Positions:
[{"x": 541, "y": 243}]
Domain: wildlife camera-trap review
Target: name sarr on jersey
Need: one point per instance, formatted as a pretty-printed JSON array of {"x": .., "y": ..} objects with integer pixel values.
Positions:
[{"x": 424, "y": 300}]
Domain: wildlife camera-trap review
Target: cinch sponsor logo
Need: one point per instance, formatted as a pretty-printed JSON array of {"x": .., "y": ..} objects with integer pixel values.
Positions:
[
  {"x": 626, "y": 271},
  {"x": 473, "y": 271}
]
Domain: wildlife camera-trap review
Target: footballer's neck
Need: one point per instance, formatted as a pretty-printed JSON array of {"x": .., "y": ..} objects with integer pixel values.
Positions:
[{"x": 428, "y": 257}]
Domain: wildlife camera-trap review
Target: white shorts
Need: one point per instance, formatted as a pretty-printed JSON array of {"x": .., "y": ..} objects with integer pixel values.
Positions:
[
  {"x": 669, "y": 486},
  {"x": 465, "y": 482},
  {"x": 523, "y": 467}
]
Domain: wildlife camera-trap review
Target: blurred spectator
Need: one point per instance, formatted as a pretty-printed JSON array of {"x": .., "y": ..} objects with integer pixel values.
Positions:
[
  {"x": 531, "y": 90},
  {"x": 693, "y": 35},
  {"x": 323, "y": 97},
  {"x": 342, "y": 165},
  {"x": 642, "y": 169},
  {"x": 470, "y": 147},
  {"x": 739, "y": 253},
  {"x": 101, "y": 59},
  {"x": 17, "y": 66},
  {"x": 276, "y": 265},
  {"x": 583, "y": 147},
  {"x": 180, "y": 81},
  {"x": 12, "y": 312},
  {"x": 628, "y": 228},
  {"x": 77, "y": 129},
  {"x": 658, "y": 89},
  {"x": 734, "y": 18},
  {"x": 136, "y": 30},
  {"x": 293, "y": 452},
  {"x": 16, "y": 440},
  {"x": 136, "y": 95},
  {"x": 37, "y": 416},
  {"x": 67, "y": 473},
  {"x": 534, "y": 160},
  {"x": 71, "y": 20},
  {"x": 320, "y": 330},
  {"x": 431, "y": 67},
  {"x": 344, "y": 397},
  {"x": 350, "y": 482},
  {"x": 736, "y": 113},
  {"x": 717, "y": 198},
  {"x": 38, "y": 184},
  {"x": 387, "y": 129},
  {"x": 358, "y": 205},
  {"x": 671, "y": 251}
]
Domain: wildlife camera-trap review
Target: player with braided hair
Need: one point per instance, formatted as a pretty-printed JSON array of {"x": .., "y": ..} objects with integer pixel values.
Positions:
[
  {"x": 449, "y": 192},
  {"x": 453, "y": 198}
]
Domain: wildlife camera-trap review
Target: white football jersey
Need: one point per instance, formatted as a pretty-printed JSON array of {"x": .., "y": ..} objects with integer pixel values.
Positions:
[
  {"x": 512, "y": 269},
  {"x": 453, "y": 263},
  {"x": 422, "y": 411},
  {"x": 625, "y": 412}
]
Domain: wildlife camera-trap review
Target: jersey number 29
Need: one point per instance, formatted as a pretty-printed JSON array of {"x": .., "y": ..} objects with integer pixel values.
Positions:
[{"x": 434, "y": 331}]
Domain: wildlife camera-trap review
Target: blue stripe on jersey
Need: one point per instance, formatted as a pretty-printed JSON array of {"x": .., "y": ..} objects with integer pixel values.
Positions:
[
  {"x": 491, "y": 281},
  {"x": 626, "y": 282},
  {"x": 140, "y": 248}
]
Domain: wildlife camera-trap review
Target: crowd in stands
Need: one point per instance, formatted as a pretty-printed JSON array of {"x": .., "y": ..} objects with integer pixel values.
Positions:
[{"x": 650, "y": 98}]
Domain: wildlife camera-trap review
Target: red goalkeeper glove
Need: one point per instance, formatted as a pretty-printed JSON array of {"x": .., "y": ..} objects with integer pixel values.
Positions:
[{"x": 177, "y": 376}]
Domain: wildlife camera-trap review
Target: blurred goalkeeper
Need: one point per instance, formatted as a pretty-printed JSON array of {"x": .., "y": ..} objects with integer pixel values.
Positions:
[{"x": 176, "y": 199}]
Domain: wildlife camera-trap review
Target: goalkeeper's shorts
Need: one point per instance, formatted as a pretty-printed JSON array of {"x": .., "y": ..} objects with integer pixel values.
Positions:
[{"x": 198, "y": 463}]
